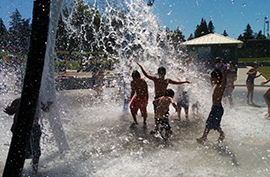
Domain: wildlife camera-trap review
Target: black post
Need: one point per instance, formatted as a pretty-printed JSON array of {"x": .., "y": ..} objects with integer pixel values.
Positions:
[{"x": 30, "y": 92}]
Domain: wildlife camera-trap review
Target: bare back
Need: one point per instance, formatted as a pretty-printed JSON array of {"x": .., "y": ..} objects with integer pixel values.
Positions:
[
  {"x": 140, "y": 87},
  {"x": 161, "y": 85},
  {"x": 162, "y": 104}
]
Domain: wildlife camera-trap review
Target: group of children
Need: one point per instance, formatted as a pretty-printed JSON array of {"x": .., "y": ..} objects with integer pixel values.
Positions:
[{"x": 164, "y": 98}]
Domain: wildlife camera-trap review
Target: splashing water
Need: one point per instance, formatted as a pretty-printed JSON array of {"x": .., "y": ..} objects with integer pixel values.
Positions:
[{"x": 100, "y": 140}]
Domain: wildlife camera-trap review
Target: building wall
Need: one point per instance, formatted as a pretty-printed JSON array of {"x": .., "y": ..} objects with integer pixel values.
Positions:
[{"x": 208, "y": 53}]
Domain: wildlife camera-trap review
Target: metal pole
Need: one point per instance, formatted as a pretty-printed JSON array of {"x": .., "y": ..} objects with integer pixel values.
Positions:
[{"x": 30, "y": 93}]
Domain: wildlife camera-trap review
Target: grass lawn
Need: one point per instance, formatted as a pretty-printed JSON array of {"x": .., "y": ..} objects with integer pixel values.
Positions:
[
  {"x": 265, "y": 70},
  {"x": 253, "y": 59}
]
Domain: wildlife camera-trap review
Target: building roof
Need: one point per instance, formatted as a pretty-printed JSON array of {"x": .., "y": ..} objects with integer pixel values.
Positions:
[{"x": 212, "y": 39}]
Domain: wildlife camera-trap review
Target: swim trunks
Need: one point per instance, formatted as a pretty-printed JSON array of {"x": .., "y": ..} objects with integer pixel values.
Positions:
[
  {"x": 163, "y": 121},
  {"x": 183, "y": 100},
  {"x": 138, "y": 103},
  {"x": 214, "y": 118}
]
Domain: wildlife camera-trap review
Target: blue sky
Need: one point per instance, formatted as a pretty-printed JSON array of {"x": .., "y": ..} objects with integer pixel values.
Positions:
[{"x": 230, "y": 15}]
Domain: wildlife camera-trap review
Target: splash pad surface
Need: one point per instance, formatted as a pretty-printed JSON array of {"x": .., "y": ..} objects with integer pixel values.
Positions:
[{"x": 103, "y": 144}]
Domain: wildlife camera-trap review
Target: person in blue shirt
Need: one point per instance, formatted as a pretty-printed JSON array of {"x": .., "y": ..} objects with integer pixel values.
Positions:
[{"x": 220, "y": 65}]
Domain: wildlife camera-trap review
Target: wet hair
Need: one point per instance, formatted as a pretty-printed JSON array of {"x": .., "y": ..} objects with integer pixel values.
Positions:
[
  {"x": 218, "y": 60},
  {"x": 161, "y": 71},
  {"x": 216, "y": 73},
  {"x": 169, "y": 92},
  {"x": 255, "y": 63},
  {"x": 136, "y": 74}
]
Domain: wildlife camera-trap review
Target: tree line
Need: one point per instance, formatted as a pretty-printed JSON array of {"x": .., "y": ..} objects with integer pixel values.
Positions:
[{"x": 85, "y": 29}]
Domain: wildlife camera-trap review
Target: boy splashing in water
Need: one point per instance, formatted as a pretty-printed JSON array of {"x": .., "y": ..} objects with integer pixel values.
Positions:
[
  {"x": 140, "y": 100},
  {"x": 218, "y": 79},
  {"x": 162, "y": 113}
]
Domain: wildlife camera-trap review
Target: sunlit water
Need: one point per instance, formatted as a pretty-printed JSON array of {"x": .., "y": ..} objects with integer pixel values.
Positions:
[{"x": 102, "y": 144}]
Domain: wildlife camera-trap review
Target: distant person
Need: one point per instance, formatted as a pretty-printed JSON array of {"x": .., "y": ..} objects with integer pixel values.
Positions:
[
  {"x": 220, "y": 65},
  {"x": 162, "y": 113},
  {"x": 230, "y": 80},
  {"x": 218, "y": 78},
  {"x": 139, "y": 93},
  {"x": 266, "y": 97},
  {"x": 33, "y": 151},
  {"x": 189, "y": 60},
  {"x": 98, "y": 79},
  {"x": 182, "y": 99},
  {"x": 252, "y": 74},
  {"x": 160, "y": 83},
  {"x": 195, "y": 108}
]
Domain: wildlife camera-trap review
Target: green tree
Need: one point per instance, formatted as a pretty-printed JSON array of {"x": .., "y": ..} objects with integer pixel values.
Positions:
[
  {"x": 19, "y": 31},
  {"x": 240, "y": 37},
  {"x": 3, "y": 33},
  {"x": 25, "y": 30},
  {"x": 211, "y": 28},
  {"x": 14, "y": 30},
  {"x": 178, "y": 35},
  {"x": 201, "y": 29},
  {"x": 3, "y": 29},
  {"x": 248, "y": 34},
  {"x": 225, "y": 33},
  {"x": 61, "y": 41},
  {"x": 190, "y": 37},
  {"x": 260, "y": 35}
]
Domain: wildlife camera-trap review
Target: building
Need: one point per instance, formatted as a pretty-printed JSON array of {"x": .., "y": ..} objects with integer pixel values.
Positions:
[{"x": 206, "y": 48}]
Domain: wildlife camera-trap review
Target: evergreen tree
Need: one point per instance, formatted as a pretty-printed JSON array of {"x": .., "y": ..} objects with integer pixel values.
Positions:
[
  {"x": 211, "y": 28},
  {"x": 3, "y": 33},
  {"x": 178, "y": 36},
  {"x": 190, "y": 37},
  {"x": 260, "y": 35},
  {"x": 3, "y": 29},
  {"x": 240, "y": 37},
  {"x": 204, "y": 27},
  {"x": 14, "y": 30},
  {"x": 225, "y": 33},
  {"x": 61, "y": 41},
  {"x": 25, "y": 32},
  {"x": 198, "y": 31},
  {"x": 248, "y": 34},
  {"x": 201, "y": 29}
]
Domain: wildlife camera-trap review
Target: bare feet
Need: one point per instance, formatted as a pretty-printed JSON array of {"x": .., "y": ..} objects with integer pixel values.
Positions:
[
  {"x": 133, "y": 125},
  {"x": 201, "y": 140},
  {"x": 266, "y": 115},
  {"x": 144, "y": 125},
  {"x": 179, "y": 118}
]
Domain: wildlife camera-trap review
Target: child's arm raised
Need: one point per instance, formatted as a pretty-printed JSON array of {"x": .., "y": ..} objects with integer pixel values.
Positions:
[
  {"x": 145, "y": 73},
  {"x": 178, "y": 82}
]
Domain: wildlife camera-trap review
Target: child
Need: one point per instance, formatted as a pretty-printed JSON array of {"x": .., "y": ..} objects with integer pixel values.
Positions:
[
  {"x": 33, "y": 149},
  {"x": 183, "y": 101},
  {"x": 218, "y": 79},
  {"x": 161, "y": 113},
  {"x": 160, "y": 82},
  {"x": 195, "y": 108},
  {"x": 230, "y": 81},
  {"x": 266, "y": 97},
  {"x": 250, "y": 82},
  {"x": 140, "y": 100}
]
